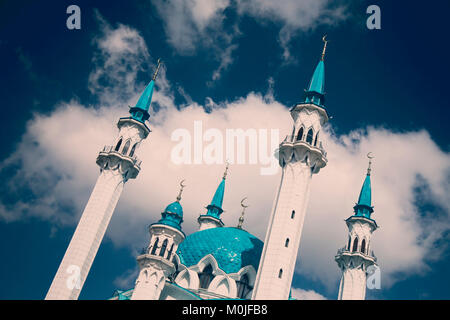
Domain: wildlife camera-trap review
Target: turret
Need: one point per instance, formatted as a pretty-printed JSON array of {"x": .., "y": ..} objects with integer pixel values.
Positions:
[
  {"x": 156, "y": 263},
  {"x": 356, "y": 257}
]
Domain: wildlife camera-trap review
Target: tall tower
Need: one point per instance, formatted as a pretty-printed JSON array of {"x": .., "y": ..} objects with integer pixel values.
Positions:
[
  {"x": 212, "y": 217},
  {"x": 356, "y": 257},
  {"x": 117, "y": 163},
  {"x": 155, "y": 263},
  {"x": 300, "y": 156}
]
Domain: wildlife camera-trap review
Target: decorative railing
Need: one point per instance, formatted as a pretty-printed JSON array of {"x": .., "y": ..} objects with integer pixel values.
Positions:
[
  {"x": 293, "y": 139},
  {"x": 371, "y": 254},
  {"x": 135, "y": 160}
]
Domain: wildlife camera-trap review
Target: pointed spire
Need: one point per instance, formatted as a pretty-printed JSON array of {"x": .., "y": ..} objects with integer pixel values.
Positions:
[
  {"x": 364, "y": 205},
  {"x": 215, "y": 207},
  {"x": 140, "y": 110},
  {"x": 241, "y": 218},
  {"x": 316, "y": 89}
]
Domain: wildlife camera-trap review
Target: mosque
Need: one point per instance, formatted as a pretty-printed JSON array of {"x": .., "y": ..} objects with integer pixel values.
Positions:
[{"x": 220, "y": 262}]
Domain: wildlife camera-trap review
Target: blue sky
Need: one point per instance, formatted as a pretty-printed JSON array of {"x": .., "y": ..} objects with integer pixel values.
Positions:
[{"x": 382, "y": 86}]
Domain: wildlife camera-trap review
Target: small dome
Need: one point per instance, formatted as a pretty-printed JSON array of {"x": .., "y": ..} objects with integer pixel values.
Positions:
[
  {"x": 232, "y": 248},
  {"x": 176, "y": 208}
]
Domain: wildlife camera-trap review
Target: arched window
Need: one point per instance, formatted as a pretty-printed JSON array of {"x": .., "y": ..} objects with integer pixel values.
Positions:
[
  {"x": 349, "y": 243},
  {"x": 292, "y": 214},
  {"x": 300, "y": 134},
  {"x": 309, "y": 136},
  {"x": 355, "y": 244},
  {"x": 363, "y": 246},
  {"x": 170, "y": 252},
  {"x": 126, "y": 147},
  {"x": 315, "y": 140},
  {"x": 243, "y": 287},
  {"x": 133, "y": 149},
  {"x": 155, "y": 246},
  {"x": 205, "y": 277},
  {"x": 286, "y": 244},
  {"x": 118, "y": 145},
  {"x": 280, "y": 273},
  {"x": 163, "y": 248}
]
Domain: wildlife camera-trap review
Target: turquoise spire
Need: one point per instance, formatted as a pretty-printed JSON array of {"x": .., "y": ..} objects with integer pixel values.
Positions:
[
  {"x": 140, "y": 111},
  {"x": 173, "y": 214},
  {"x": 364, "y": 206},
  {"x": 215, "y": 207},
  {"x": 316, "y": 89}
]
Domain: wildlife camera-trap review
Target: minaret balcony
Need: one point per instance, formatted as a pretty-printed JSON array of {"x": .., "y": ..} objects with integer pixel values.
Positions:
[
  {"x": 291, "y": 148},
  {"x": 111, "y": 158},
  {"x": 345, "y": 254}
]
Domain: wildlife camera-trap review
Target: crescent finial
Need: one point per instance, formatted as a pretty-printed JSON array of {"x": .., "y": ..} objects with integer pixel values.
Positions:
[
  {"x": 324, "y": 39},
  {"x": 157, "y": 69},
  {"x": 242, "y": 203},
  {"x": 181, "y": 190},
  {"x": 241, "y": 218},
  {"x": 369, "y": 169}
]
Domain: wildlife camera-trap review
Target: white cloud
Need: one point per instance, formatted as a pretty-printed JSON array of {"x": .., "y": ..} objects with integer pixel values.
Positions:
[
  {"x": 294, "y": 16},
  {"x": 301, "y": 294},
  {"x": 190, "y": 24},
  {"x": 56, "y": 169},
  {"x": 186, "y": 22}
]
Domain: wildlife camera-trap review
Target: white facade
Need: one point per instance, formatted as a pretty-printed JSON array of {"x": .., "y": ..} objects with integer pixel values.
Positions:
[
  {"x": 300, "y": 156},
  {"x": 355, "y": 258},
  {"x": 117, "y": 164},
  {"x": 156, "y": 264}
]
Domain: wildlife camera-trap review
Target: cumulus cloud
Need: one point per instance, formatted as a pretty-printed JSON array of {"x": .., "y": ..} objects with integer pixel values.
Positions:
[
  {"x": 52, "y": 172},
  {"x": 294, "y": 16},
  {"x": 193, "y": 24},
  {"x": 301, "y": 294}
]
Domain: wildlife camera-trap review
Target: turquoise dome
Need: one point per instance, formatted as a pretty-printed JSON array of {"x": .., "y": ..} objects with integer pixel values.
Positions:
[
  {"x": 175, "y": 207},
  {"x": 232, "y": 248}
]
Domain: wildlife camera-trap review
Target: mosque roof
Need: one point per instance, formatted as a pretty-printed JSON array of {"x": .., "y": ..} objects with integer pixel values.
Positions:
[{"x": 232, "y": 248}]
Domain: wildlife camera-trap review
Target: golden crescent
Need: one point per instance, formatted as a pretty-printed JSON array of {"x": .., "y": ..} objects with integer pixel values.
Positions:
[
  {"x": 370, "y": 156},
  {"x": 324, "y": 38},
  {"x": 181, "y": 183}
]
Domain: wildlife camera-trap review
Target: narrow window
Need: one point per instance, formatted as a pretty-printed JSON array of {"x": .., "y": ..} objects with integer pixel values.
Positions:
[
  {"x": 315, "y": 141},
  {"x": 280, "y": 273},
  {"x": 155, "y": 246},
  {"x": 243, "y": 287},
  {"x": 118, "y": 145},
  {"x": 355, "y": 245},
  {"x": 133, "y": 149},
  {"x": 170, "y": 252},
  {"x": 163, "y": 248},
  {"x": 286, "y": 244},
  {"x": 205, "y": 277},
  {"x": 126, "y": 147},
  {"x": 349, "y": 243},
  {"x": 309, "y": 136},
  {"x": 292, "y": 214},
  {"x": 300, "y": 134},
  {"x": 363, "y": 246}
]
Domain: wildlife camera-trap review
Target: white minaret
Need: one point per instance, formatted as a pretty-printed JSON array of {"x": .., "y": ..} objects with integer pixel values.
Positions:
[
  {"x": 117, "y": 163},
  {"x": 156, "y": 263},
  {"x": 356, "y": 257},
  {"x": 300, "y": 156}
]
